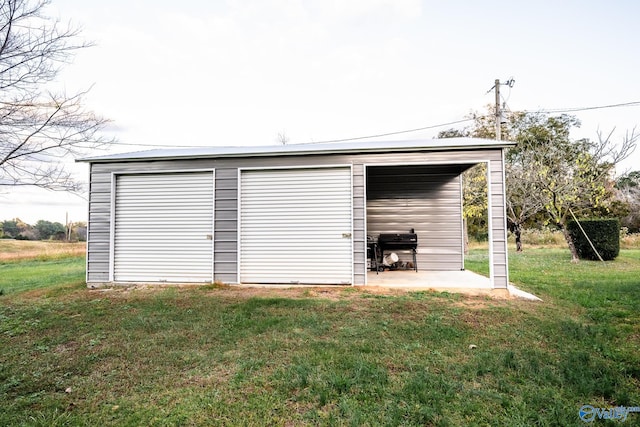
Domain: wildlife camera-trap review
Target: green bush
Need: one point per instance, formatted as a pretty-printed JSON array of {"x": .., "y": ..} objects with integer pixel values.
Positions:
[{"x": 604, "y": 234}]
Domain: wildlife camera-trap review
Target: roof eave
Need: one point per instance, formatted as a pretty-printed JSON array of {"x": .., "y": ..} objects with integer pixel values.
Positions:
[{"x": 360, "y": 150}]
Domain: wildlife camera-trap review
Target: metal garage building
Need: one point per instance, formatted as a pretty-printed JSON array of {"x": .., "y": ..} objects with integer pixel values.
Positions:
[{"x": 288, "y": 214}]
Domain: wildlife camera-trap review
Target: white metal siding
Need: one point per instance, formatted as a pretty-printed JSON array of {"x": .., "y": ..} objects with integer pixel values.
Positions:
[
  {"x": 296, "y": 226},
  {"x": 163, "y": 228}
]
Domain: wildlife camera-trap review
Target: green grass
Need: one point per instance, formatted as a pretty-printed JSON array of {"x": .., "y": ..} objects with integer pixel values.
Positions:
[
  {"x": 223, "y": 356},
  {"x": 20, "y": 276}
]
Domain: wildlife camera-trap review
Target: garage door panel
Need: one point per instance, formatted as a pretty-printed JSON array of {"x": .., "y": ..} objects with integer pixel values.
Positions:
[
  {"x": 295, "y": 226},
  {"x": 163, "y": 224}
]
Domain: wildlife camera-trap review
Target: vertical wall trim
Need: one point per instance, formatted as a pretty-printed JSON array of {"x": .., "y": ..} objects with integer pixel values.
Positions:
[
  {"x": 213, "y": 227},
  {"x": 463, "y": 231},
  {"x": 239, "y": 226},
  {"x": 366, "y": 230},
  {"x": 86, "y": 261},
  {"x": 112, "y": 227},
  {"x": 504, "y": 205},
  {"x": 490, "y": 226},
  {"x": 353, "y": 236}
]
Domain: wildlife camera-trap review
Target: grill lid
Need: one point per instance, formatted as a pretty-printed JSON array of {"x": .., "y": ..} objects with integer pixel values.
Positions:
[{"x": 398, "y": 240}]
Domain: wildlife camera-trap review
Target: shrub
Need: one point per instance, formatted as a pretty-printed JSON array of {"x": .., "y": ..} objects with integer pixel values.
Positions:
[
  {"x": 543, "y": 237},
  {"x": 603, "y": 233},
  {"x": 629, "y": 240}
]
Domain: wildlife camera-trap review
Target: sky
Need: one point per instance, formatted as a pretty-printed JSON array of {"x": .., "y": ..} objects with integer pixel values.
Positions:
[{"x": 242, "y": 72}]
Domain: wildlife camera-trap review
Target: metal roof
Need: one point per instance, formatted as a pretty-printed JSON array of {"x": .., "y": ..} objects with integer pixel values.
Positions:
[{"x": 302, "y": 149}]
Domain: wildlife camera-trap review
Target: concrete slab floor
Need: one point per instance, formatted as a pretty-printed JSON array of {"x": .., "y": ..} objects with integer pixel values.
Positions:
[{"x": 465, "y": 282}]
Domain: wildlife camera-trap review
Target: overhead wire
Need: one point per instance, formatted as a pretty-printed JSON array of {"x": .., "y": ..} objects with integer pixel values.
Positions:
[
  {"x": 154, "y": 145},
  {"x": 394, "y": 133},
  {"x": 597, "y": 107},
  {"x": 379, "y": 135},
  {"x": 559, "y": 110}
]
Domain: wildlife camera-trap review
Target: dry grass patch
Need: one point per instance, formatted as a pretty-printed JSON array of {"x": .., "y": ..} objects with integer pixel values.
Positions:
[
  {"x": 630, "y": 241},
  {"x": 22, "y": 250},
  {"x": 331, "y": 293}
]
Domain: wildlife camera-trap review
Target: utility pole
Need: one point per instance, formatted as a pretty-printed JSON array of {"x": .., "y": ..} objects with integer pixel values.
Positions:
[
  {"x": 498, "y": 113},
  {"x": 496, "y": 87}
]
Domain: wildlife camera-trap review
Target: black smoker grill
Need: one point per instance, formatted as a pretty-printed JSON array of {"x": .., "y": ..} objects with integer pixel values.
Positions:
[{"x": 398, "y": 242}]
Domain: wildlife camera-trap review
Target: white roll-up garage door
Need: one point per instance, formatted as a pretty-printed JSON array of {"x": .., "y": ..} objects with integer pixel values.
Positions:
[
  {"x": 163, "y": 228},
  {"x": 295, "y": 226}
]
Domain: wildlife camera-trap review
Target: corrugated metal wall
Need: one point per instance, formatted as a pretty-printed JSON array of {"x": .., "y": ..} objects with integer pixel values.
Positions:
[
  {"x": 99, "y": 225},
  {"x": 163, "y": 229},
  {"x": 498, "y": 223},
  {"x": 359, "y": 233},
  {"x": 295, "y": 226},
  {"x": 225, "y": 257},
  {"x": 424, "y": 198},
  {"x": 226, "y": 226}
]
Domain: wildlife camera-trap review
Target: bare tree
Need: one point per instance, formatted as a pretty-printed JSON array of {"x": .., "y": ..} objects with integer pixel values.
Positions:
[
  {"x": 38, "y": 128},
  {"x": 282, "y": 138},
  {"x": 562, "y": 177},
  {"x": 520, "y": 206}
]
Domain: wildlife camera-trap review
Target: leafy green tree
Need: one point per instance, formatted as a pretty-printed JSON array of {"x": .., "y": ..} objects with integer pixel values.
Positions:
[
  {"x": 50, "y": 230},
  {"x": 453, "y": 133},
  {"x": 474, "y": 191},
  {"x": 547, "y": 170},
  {"x": 532, "y": 132},
  {"x": 475, "y": 203},
  {"x": 629, "y": 180},
  {"x": 18, "y": 229},
  {"x": 550, "y": 174},
  {"x": 628, "y": 194},
  {"x": 10, "y": 228}
]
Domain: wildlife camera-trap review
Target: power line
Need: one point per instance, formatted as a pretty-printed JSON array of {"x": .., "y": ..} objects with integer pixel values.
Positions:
[
  {"x": 394, "y": 133},
  {"x": 455, "y": 122},
  {"x": 156, "y": 145},
  {"x": 314, "y": 142},
  {"x": 598, "y": 107}
]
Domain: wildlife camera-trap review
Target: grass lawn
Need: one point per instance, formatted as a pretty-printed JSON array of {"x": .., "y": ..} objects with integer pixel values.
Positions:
[
  {"x": 31, "y": 274},
  {"x": 341, "y": 356}
]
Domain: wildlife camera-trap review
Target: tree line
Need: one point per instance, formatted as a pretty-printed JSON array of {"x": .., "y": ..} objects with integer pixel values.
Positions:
[
  {"x": 552, "y": 178},
  {"x": 42, "y": 230}
]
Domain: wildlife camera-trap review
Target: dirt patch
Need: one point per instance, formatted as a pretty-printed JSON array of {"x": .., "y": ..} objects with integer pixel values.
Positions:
[
  {"x": 332, "y": 293},
  {"x": 246, "y": 292},
  {"x": 44, "y": 292},
  {"x": 68, "y": 347},
  {"x": 337, "y": 293},
  {"x": 472, "y": 319},
  {"x": 476, "y": 303}
]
